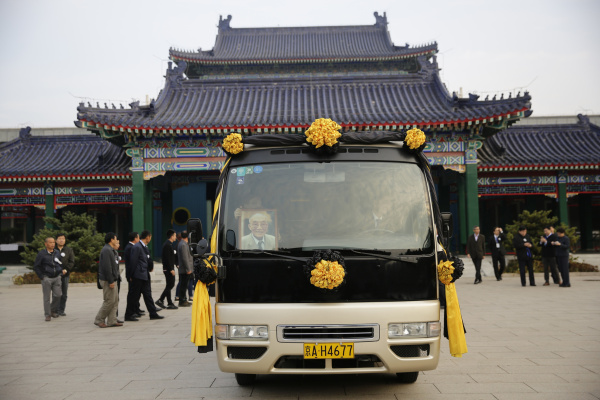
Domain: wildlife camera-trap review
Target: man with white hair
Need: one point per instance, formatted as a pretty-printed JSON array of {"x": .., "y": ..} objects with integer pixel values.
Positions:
[{"x": 258, "y": 239}]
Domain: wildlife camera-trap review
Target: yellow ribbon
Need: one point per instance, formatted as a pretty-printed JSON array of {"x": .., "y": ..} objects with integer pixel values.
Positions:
[
  {"x": 201, "y": 316},
  {"x": 456, "y": 332},
  {"x": 201, "y": 310}
]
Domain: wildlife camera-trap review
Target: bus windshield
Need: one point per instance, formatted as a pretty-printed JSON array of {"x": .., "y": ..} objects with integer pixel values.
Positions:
[{"x": 302, "y": 207}]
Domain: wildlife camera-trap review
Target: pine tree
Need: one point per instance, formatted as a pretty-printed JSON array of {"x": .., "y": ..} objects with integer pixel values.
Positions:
[{"x": 81, "y": 235}]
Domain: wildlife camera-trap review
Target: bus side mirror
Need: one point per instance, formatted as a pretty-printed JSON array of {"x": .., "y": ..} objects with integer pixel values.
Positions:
[
  {"x": 447, "y": 225},
  {"x": 202, "y": 247},
  {"x": 230, "y": 240},
  {"x": 194, "y": 228}
]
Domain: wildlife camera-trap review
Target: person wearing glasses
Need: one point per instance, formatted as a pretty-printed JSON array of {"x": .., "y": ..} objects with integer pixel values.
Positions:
[{"x": 258, "y": 239}]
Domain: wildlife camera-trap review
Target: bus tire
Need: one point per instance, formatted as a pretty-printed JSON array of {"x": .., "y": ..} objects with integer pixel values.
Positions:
[
  {"x": 406, "y": 377},
  {"x": 245, "y": 379}
]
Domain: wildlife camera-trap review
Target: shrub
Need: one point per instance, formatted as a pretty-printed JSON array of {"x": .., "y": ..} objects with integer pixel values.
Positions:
[
  {"x": 574, "y": 266},
  {"x": 81, "y": 237},
  {"x": 76, "y": 277}
]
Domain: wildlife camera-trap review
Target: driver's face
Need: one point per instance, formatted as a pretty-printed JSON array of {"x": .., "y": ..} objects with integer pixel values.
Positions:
[{"x": 259, "y": 227}]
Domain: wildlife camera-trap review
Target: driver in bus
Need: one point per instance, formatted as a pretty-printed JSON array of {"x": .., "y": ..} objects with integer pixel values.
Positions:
[{"x": 258, "y": 239}]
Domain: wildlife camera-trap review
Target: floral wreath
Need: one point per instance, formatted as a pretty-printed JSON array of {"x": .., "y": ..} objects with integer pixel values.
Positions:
[
  {"x": 323, "y": 135},
  {"x": 414, "y": 141},
  {"x": 204, "y": 271},
  {"x": 450, "y": 270},
  {"x": 326, "y": 269},
  {"x": 232, "y": 144}
]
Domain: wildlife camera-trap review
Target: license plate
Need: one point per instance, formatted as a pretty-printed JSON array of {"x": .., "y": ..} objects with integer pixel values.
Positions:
[{"x": 328, "y": 350}]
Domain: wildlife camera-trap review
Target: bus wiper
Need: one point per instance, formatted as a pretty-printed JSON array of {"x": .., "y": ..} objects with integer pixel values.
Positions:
[
  {"x": 375, "y": 253},
  {"x": 276, "y": 253}
]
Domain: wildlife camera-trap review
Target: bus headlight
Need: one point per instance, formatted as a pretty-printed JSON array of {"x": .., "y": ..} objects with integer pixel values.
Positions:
[
  {"x": 414, "y": 329},
  {"x": 242, "y": 332}
]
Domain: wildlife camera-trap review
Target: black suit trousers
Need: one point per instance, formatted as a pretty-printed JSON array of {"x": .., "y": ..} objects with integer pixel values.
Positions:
[
  {"x": 184, "y": 279},
  {"x": 498, "y": 259},
  {"x": 143, "y": 288},
  {"x": 477, "y": 262}
]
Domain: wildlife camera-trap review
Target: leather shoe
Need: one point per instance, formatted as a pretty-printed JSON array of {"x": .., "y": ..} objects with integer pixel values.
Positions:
[
  {"x": 136, "y": 315},
  {"x": 477, "y": 281},
  {"x": 156, "y": 316},
  {"x": 62, "y": 314},
  {"x": 532, "y": 284},
  {"x": 101, "y": 324},
  {"x": 132, "y": 318},
  {"x": 141, "y": 312},
  {"x": 172, "y": 307},
  {"x": 546, "y": 284},
  {"x": 117, "y": 324},
  {"x": 160, "y": 304},
  {"x": 185, "y": 304},
  {"x": 48, "y": 318},
  {"x": 55, "y": 315},
  {"x": 119, "y": 321}
]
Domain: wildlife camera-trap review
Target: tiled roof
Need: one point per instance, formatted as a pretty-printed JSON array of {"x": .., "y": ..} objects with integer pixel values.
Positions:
[
  {"x": 302, "y": 44},
  {"x": 382, "y": 100},
  {"x": 68, "y": 157},
  {"x": 543, "y": 146}
]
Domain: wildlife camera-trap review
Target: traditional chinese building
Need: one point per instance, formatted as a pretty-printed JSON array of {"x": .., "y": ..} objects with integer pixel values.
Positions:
[{"x": 279, "y": 80}]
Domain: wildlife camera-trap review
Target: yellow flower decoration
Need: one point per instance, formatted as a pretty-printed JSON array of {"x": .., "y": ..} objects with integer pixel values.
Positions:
[
  {"x": 327, "y": 274},
  {"x": 414, "y": 138},
  {"x": 233, "y": 143},
  {"x": 445, "y": 270},
  {"x": 323, "y": 131}
]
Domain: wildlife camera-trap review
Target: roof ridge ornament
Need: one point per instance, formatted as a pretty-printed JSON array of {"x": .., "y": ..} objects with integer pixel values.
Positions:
[
  {"x": 224, "y": 23},
  {"x": 380, "y": 20},
  {"x": 25, "y": 133}
]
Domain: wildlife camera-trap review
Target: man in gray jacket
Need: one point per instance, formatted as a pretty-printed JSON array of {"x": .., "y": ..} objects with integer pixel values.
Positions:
[
  {"x": 108, "y": 275},
  {"x": 186, "y": 267}
]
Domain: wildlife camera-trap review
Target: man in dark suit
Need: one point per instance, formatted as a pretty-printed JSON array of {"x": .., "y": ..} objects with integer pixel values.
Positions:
[
  {"x": 133, "y": 298},
  {"x": 142, "y": 265},
  {"x": 548, "y": 256},
  {"x": 496, "y": 245},
  {"x": 523, "y": 246},
  {"x": 476, "y": 250}
]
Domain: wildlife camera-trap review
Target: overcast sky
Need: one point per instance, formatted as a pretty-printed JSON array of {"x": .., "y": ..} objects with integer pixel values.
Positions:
[{"x": 56, "y": 53}]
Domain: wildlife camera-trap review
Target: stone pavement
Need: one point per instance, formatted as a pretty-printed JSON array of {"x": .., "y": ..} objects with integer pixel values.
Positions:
[{"x": 524, "y": 343}]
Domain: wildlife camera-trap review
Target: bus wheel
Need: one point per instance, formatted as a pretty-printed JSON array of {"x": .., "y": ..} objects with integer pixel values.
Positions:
[
  {"x": 406, "y": 377},
  {"x": 248, "y": 379}
]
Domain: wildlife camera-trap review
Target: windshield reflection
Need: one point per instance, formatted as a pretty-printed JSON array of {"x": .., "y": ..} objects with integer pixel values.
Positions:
[{"x": 336, "y": 205}]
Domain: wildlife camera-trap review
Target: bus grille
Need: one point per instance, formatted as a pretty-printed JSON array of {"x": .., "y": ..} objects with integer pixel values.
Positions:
[{"x": 327, "y": 333}]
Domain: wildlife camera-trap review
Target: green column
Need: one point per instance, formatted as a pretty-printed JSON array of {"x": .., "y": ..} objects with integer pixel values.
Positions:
[
  {"x": 563, "y": 211},
  {"x": 139, "y": 200},
  {"x": 166, "y": 203},
  {"x": 585, "y": 211},
  {"x": 49, "y": 192},
  {"x": 462, "y": 212},
  {"x": 472, "y": 196}
]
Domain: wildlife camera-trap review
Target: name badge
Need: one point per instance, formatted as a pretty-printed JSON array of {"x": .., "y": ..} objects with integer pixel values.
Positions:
[
  {"x": 497, "y": 245},
  {"x": 62, "y": 254},
  {"x": 174, "y": 251},
  {"x": 524, "y": 239},
  {"x": 148, "y": 255}
]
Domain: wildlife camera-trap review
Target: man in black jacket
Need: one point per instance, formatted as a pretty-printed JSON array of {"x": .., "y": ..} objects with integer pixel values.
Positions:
[
  {"x": 168, "y": 262},
  {"x": 108, "y": 276},
  {"x": 522, "y": 244},
  {"x": 142, "y": 265},
  {"x": 48, "y": 268},
  {"x": 476, "y": 250},
  {"x": 548, "y": 256},
  {"x": 67, "y": 257},
  {"x": 562, "y": 245},
  {"x": 496, "y": 244}
]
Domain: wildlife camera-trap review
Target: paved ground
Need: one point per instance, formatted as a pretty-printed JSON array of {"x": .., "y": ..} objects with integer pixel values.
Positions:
[{"x": 524, "y": 343}]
